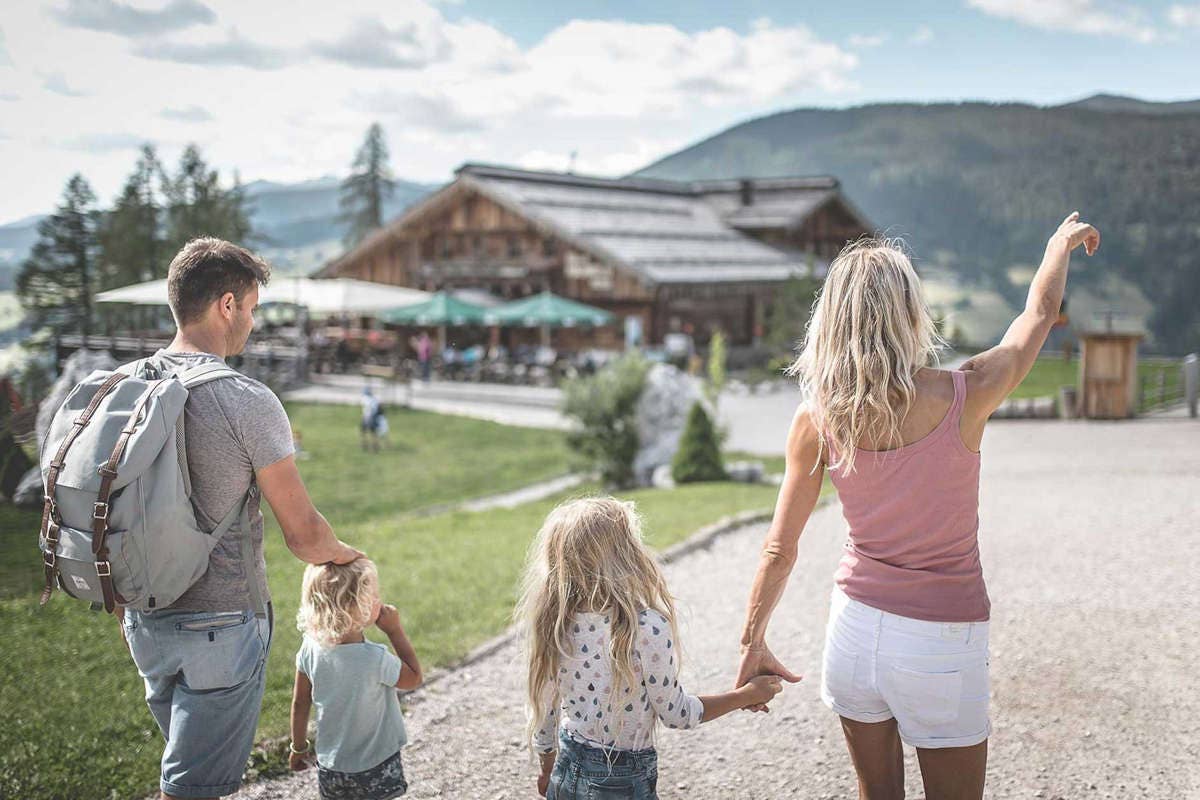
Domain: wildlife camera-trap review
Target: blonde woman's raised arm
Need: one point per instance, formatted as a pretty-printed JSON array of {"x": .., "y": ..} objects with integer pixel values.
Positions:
[
  {"x": 1000, "y": 370},
  {"x": 798, "y": 496}
]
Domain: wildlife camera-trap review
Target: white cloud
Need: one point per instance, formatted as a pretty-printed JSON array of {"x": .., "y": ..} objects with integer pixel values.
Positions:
[
  {"x": 862, "y": 40},
  {"x": 1073, "y": 16},
  {"x": 126, "y": 20},
  {"x": 921, "y": 36},
  {"x": 104, "y": 142},
  {"x": 56, "y": 82},
  {"x": 620, "y": 93},
  {"x": 232, "y": 49},
  {"x": 1184, "y": 16},
  {"x": 5, "y": 59},
  {"x": 371, "y": 43},
  {"x": 187, "y": 114}
]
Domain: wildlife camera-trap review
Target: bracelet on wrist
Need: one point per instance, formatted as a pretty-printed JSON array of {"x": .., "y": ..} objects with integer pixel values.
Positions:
[{"x": 295, "y": 752}]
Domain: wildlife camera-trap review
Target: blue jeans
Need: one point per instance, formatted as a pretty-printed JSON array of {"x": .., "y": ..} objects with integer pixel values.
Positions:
[
  {"x": 205, "y": 673},
  {"x": 590, "y": 773}
]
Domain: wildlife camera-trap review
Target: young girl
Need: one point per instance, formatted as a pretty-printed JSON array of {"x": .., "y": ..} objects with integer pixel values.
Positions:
[
  {"x": 603, "y": 655},
  {"x": 353, "y": 682}
]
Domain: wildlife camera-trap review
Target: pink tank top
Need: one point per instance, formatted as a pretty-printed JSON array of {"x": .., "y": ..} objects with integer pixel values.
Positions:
[{"x": 913, "y": 514}]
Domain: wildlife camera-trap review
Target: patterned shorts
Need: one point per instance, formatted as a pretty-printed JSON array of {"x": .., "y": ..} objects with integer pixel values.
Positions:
[{"x": 378, "y": 783}]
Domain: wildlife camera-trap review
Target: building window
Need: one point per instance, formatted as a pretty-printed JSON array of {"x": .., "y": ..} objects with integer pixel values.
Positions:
[
  {"x": 445, "y": 246},
  {"x": 549, "y": 247},
  {"x": 477, "y": 246},
  {"x": 514, "y": 247}
]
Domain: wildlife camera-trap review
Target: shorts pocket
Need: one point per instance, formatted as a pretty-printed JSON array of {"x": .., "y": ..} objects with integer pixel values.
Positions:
[
  {"x": 928, "y": 698},
  {"x": 219, "y": 651},
  {"x": 838, "y": 667}
]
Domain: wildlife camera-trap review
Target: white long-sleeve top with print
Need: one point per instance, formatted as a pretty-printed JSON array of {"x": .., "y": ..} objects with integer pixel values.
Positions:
[{"x": 580, "y": 701}]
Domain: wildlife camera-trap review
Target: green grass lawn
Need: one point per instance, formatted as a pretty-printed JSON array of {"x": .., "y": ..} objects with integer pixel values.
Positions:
[
  {"x": 76, "y": 722},
  {"x": 1050, "y": 373}
]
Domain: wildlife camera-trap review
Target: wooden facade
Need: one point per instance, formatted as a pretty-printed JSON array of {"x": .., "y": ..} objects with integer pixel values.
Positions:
[{"x": 474, "y": 234}]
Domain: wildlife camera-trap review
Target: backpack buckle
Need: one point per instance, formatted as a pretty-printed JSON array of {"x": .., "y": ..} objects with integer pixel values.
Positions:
[
  {"x": 106, "y": 472},
  {"x": 99, "y": 510},
  {"x": 48, "y": 558},
  {"x": 103, "y": 569},
  {"x": 52, "y": 533}
]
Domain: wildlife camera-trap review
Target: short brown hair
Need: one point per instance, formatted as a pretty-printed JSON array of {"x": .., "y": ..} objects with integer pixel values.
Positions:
[{"x": 204, "y": 270}]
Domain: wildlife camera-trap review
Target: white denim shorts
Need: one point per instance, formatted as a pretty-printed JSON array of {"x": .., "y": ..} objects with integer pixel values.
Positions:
[{"x": 932, "y": 677}]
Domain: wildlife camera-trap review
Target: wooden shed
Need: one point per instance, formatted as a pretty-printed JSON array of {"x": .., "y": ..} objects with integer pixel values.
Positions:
[{"x": 1108, "y": 371}]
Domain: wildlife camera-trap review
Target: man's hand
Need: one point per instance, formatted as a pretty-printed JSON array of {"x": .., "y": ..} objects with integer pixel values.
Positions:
[
  {"x": 759, "y": 660},
  {"x": 344, "y": 553},
  {"x": 298, "y": 762}
]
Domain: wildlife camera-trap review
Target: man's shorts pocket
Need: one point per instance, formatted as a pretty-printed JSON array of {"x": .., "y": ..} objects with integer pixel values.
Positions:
[{"x": 219, "y": 651}]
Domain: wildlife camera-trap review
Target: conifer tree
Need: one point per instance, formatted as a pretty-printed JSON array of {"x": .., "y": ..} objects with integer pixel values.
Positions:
[
  {"x": 370, "y": 183},
  {"x": 57, "y": 281}
]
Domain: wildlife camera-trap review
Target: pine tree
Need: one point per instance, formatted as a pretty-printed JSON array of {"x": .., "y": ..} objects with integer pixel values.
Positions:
[
  {"x": 56, "y": 283},
  {"x": 198, "y": 206},
  {"x": 370, "y": 183},
  {"x": 131, "y": 234},
  {"x": 699, "y": 455}
]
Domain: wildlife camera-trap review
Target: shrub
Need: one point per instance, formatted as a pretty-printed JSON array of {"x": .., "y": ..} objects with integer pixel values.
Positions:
[
  {"x": 605, "y": 406},
  {"x": 699, "y": 454}
]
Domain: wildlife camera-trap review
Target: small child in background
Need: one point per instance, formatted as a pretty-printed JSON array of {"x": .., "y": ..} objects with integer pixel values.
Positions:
[
  {"x": 602, "y": 650},
  {"x": 353, "y": 683}
]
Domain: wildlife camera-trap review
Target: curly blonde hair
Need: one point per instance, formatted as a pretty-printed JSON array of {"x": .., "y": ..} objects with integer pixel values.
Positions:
[{"x": 336, "y": 599}]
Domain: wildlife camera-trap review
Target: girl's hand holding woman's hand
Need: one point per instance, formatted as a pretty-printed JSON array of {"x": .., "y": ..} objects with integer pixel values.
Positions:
[
  {"x": 1076, "y": 233},
  {"x": 760, "y": 661}
]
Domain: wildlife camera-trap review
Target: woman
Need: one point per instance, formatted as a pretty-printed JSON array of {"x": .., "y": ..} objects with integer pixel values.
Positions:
[{"x": 906, "y": 654}]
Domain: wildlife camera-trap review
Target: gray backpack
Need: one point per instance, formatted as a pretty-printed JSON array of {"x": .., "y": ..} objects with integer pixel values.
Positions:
[{"x": 118, "y": 526}]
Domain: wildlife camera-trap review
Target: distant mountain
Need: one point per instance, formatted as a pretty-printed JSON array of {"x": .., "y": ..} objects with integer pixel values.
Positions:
[
  {"x": 1132, "y": 105},
  {"x": 976, "y": 188},
  {"x": 297, "y": 226}
]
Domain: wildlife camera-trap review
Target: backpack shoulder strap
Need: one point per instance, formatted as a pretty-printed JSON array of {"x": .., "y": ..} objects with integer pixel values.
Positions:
[{"x": 205, "y": 373}]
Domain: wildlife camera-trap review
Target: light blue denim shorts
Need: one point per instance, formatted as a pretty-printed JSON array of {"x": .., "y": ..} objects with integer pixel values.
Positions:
[{"x": 205, "y": 673}]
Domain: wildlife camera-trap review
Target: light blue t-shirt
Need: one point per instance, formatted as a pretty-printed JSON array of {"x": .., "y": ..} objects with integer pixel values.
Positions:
[{"x": 359, "y": 724}]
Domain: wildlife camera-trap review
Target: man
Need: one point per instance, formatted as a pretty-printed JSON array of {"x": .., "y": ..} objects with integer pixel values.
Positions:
[{"x": 203, "y": 659}]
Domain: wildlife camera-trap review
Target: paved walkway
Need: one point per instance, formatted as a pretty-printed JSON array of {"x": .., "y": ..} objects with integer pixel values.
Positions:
[{"x": 1090, "y": 541}]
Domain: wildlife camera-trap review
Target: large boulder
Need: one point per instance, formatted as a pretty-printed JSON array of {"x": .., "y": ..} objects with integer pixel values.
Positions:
[
  {"x": 78, "y": 366},
  {"x": 662, "y": 412}
]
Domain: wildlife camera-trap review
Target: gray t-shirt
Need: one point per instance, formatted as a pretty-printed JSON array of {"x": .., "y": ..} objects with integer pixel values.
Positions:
[
  {"x": 232, "y": 427},
  {"x": 359, "y": 724}
]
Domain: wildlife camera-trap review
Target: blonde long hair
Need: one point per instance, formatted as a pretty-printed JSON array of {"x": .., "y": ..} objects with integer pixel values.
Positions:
[
  {"x": 336, "y": 599},
  {"x": 869, "y": 333},
  {"x": 588, "y": 556}
]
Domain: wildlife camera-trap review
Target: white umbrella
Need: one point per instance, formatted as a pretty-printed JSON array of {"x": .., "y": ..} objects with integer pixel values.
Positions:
[{"x": 332, "y": 296}]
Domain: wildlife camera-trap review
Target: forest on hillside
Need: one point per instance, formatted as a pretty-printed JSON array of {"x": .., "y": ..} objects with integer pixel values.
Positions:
[{"x": 977, "y": 187}]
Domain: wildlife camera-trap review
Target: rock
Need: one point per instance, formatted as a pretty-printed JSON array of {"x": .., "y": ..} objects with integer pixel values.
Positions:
[
  {"x": 661, "y": 415},
  {"x": 28, "y": 493},
  {"x": 78, "y": 366},
  {"x": 661, "y": 478},
  {"x": 745, "y": 471}
]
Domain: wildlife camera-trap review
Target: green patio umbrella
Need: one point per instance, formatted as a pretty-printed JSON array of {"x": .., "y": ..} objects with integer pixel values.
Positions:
[
  {"x": 442, "y": 308},
  {"x": 547, "y": 310}
]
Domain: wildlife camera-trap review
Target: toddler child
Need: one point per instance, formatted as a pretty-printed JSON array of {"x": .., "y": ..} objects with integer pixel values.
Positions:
[{"x": 353, "y": 684}]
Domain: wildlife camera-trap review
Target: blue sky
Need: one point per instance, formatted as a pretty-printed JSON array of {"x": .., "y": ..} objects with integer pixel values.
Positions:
[{"x": 281, "y": 95}]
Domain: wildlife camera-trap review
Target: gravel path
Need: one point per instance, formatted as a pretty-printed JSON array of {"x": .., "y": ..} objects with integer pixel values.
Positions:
[{"x": 1091, "y": 541}]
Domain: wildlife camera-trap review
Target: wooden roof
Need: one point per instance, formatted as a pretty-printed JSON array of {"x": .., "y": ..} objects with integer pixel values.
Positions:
[{"x": 667, "y": 231}]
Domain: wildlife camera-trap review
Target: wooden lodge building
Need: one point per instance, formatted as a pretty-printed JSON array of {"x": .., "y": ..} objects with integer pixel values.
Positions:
[{"x": 693, "y": 256}]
